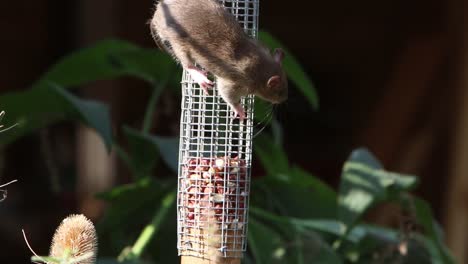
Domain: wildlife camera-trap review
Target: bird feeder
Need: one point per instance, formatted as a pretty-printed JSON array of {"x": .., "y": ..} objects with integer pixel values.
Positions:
[{"x": 214, "y": 166}]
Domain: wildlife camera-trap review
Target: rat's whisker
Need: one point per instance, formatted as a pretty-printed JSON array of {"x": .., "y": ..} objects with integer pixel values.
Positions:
[
  {"x": 265, "y": 117},
  {"x": 260, "y": 131},
  {"x": 266, "y": 120}
]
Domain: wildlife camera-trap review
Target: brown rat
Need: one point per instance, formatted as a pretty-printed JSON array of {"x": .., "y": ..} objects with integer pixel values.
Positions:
[{"x": 202, "y": 32}]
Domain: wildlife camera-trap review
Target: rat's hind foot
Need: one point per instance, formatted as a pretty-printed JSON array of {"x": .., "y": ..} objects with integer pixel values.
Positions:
[
  {"x": 239, "y": 111},
  {"x": 199, "y": 77}
]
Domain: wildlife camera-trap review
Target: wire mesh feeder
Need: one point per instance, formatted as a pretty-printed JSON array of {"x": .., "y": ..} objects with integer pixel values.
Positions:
[{"x": 214, "y": 164}]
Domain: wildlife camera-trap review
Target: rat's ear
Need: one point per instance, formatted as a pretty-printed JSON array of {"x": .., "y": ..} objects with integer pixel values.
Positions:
[
  {"x": 278, "y": 55},
  {"x": 274, "y": 81}
]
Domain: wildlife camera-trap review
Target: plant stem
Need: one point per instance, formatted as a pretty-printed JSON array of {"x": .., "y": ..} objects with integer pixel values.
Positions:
[
  {"x": 150, "y": 230},
  {"x": 125, "y": 158},
  {"x": 157, "y": 89}
]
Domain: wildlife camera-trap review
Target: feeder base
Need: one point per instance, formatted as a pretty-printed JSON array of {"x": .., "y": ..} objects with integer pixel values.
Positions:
[{"x": 195, "y": 260}]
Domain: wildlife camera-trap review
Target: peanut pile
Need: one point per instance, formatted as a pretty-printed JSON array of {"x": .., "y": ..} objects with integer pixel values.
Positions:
[{"x": 214, "y": 190}]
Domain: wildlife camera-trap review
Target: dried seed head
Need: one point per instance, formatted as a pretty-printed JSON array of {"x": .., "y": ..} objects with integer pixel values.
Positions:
[{"x": 76, "y": 236}]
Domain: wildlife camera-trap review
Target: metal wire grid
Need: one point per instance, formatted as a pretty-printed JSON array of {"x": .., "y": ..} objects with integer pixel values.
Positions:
[{"x": 214, "y": 163}]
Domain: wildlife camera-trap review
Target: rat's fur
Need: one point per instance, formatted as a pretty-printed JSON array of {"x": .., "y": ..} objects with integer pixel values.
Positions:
[{"x": 202, "y": 32}]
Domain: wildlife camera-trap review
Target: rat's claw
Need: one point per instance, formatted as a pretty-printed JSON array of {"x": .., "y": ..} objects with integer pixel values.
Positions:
[
  {"x": 205, "y": 87},
  {"x": 239, "y": 111},
  {"x": 199, "y": 77}
]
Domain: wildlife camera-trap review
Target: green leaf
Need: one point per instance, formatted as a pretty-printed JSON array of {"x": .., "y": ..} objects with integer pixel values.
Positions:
[
  {"x": 108, "y": 261},
  {"x": 130, "y": 202},
  {"x": 169, "y": 149},
  {"x": 323, "y": 225},
  {"x": 363, "y": 156},
  {"x": 38, "y": 107},
  {"x": 425, "y": 218},
  {"x": 272, "y": 156},
  {"x": 364, "y": 183},
  {"x": 293, "y": 69},
  {"x": 32, "y": 109},
  {"x": 93, "y": 114},
  {"x": 316, "y": 190},
  {"x": 375, "y": 232},
  {"x": 107, "y": 60},
  {"x": 290, "y": 188},
  {"x": 151, "y": 105},
  {"x": 289, "y": 193},
  {"x": 89, "y": 64},
  {"x": 329, "y": 226},
  {"x": 317, "y": 251},
  {"x": 41, "y": 259},
  {"x": 143, "y": 154},
  {"x": 145, "y": 148},
  {"x": 150, "y": 231},
  {"x": 266, "y": 249},
  {"x": 125, "y": 190},
  {"x": 299, "y": 244},
  {"x": 131, "y": 207},
  {"x": 114, "y": 261},
  {"x": 283, "y": 224},
  {"x": 277, "y": 132}
]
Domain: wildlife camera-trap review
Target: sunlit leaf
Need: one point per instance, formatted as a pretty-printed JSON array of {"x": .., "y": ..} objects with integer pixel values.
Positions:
[{"x": 364, "y": 183}]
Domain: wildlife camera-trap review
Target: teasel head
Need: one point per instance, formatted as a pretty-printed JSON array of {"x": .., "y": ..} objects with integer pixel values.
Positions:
[{"x": 75, "y": 238}]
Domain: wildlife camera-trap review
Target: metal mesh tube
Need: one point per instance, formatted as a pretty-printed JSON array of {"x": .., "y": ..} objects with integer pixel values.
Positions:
[{"x": 215, "y": 163}]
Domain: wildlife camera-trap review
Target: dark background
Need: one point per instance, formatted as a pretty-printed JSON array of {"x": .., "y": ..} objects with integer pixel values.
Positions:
[{"x": 389, "y": 75}]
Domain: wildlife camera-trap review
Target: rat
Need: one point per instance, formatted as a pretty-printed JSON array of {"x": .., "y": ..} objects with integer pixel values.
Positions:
[{"x": 202, "y": 33}]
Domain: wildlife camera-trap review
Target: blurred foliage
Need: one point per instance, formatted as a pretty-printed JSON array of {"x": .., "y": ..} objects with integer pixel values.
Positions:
[{"x": 294, "y": 216}]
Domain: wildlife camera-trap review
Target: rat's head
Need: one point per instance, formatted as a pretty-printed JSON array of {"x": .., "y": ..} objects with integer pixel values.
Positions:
[{"x": 275, "y": 90}]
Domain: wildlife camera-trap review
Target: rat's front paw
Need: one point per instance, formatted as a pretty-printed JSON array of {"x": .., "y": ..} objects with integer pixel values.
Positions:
[
  {"x": 239, "y": 111},
  {"x": 201, "y": 78}
]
